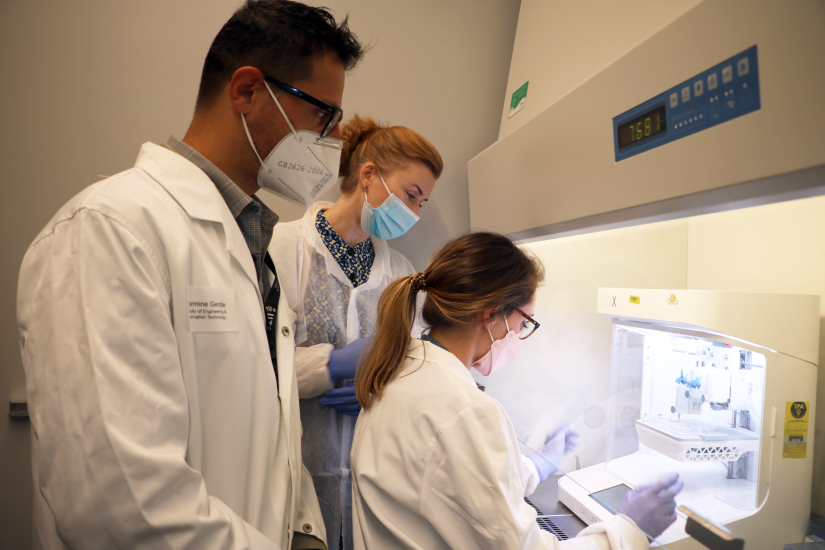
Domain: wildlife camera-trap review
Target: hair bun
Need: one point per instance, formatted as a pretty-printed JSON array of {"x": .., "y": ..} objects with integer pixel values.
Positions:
[{"x": 353, "y": 133}]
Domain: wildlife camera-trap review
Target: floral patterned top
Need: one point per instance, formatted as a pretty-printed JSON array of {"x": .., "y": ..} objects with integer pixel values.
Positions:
[{"x": 355, "y": 261}]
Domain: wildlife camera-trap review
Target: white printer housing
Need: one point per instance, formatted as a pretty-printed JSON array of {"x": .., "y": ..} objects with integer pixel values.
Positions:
[{"x": 700, "y": 384}]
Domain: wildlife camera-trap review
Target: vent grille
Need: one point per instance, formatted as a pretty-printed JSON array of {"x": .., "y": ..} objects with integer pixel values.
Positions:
[
  {"x": 548, "y": 525},
  {"x": 545, "y": 522},
  {"x": 536, "y": 508}
]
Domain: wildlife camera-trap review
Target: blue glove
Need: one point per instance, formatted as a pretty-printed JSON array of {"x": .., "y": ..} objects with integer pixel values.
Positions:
[
  {"x": 557, "y": 444},
  {"x": 344, "y": 362},
  {"x": 653, "y": 506},
  {"x": 342, "y": 400}
]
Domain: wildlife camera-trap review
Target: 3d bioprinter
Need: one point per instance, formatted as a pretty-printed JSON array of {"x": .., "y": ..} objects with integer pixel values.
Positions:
[{"x": 719, "y": 387}]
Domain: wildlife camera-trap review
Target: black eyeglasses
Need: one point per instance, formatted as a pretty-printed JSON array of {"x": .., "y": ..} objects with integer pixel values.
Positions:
[
  {"x": 527, "y": 327},
  {"x": 333, "y": 116}
]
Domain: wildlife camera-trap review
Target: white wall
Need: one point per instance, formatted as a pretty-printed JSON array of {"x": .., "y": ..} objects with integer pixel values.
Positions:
[
  {"x": 561, "y": 44},
  {"x": 86, "y": 82}
]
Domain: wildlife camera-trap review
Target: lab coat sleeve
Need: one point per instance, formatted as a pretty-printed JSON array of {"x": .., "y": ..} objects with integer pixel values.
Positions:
[
  {"x": 312, "y": 370},
  {"x": 531, "y": 475},
  {"x": 473, "y": 491},
  {"x": 109, "y": 407}
]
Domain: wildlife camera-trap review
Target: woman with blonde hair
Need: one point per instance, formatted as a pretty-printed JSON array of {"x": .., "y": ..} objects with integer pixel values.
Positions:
[
  {"x": 435, "y": 462},
  {"x": 333, "y": 266}
]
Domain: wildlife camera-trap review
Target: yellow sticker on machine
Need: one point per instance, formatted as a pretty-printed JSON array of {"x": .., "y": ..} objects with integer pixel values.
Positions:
[
  {"x": 635, "y": 299},
  {"x": 795, "y": 440}
]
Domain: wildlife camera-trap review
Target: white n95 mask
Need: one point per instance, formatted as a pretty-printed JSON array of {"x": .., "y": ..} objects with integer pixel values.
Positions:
[
  {"x": 390, "y": 220},
  {"x": 302, "y": 166}
]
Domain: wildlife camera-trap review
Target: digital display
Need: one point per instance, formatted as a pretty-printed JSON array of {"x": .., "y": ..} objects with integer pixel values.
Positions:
[{"x": 642, "y": 127}]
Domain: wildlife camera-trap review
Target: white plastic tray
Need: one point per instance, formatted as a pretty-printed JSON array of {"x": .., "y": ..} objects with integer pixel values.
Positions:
[{"x": 688, "y": 445}]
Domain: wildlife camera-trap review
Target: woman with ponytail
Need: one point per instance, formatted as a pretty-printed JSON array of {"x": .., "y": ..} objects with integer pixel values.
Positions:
[
  {"x": 333, "y": 265},
  {"x": 436, "y": 463}
]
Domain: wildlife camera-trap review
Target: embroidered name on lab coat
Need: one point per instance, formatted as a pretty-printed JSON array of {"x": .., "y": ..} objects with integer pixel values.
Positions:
[{"x": 211, "y": 309}]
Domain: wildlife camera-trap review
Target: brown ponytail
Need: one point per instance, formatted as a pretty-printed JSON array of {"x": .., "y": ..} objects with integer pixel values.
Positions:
[
  {"x": 393, "y": 333},
  {"x": 472, "y": 274},
  {"x": 388, "y": 147}
]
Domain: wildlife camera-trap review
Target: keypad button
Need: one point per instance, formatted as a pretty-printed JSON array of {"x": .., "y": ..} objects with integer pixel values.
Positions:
[{"x": 727, "y": 74}]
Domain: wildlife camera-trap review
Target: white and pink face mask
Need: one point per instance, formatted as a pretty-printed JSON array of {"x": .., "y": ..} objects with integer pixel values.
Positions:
[{"x": 501, "y": 352}]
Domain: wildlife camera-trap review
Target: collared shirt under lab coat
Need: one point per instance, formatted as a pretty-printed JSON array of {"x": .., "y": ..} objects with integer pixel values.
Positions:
[
  {"x": 147, "y": 433},
  {"x": 436, "y": 465}
]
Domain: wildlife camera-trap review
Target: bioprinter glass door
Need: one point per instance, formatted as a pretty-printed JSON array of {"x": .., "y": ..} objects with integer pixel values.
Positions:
[{"x": 688, "y": 402}]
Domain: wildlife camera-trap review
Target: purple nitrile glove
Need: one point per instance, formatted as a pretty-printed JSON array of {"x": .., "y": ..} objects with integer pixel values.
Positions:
[
  {"x": 653, "y": 506},
  {"x": 342, "y": 400},
  {"x": 558, "y": 443},
  {"x": 344, "y": 362}
]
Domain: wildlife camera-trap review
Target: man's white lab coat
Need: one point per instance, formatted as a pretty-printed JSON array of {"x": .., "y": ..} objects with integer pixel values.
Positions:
[
  {"x": 436, "y": 465},
  {"x": 156, "y": 419}
]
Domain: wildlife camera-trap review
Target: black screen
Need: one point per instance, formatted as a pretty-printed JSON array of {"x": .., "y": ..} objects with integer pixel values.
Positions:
[{"x": 642, "y": 127}]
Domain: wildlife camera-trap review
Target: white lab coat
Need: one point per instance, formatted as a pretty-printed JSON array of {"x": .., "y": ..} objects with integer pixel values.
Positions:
[
  {"x": 330, "y": 314},
  {"x": 316, "y": 286},
  {"x": 147, "y": 431},
  {"x": 436, "y": 465}
]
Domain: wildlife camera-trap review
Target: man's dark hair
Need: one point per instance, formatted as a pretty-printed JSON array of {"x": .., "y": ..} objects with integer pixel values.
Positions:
[{"x": 280, "y": 37}]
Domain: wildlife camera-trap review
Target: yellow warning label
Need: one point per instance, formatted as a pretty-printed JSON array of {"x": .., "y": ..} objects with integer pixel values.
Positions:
[
  {"x": 795, "y": 440},
  {"x": 635, "y": 300}
]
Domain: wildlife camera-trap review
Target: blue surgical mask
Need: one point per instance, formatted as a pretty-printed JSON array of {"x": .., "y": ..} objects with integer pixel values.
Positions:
[{"x": 390, "y": 220}]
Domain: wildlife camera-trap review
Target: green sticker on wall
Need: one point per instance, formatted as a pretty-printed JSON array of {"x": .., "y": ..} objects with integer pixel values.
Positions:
[{"x": 518, "y": 100}]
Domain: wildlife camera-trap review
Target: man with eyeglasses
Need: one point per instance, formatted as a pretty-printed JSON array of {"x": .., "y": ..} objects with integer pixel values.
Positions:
[{"x": 158, "y": 350}]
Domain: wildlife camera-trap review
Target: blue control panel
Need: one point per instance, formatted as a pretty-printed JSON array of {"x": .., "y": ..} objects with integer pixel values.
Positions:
[{"x": 722, "y": 93}]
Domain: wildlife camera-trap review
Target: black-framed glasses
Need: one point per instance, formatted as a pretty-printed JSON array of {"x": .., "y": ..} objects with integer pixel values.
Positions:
[
  {"x": 527, "y": 327},
  {"x": 333, "y": 116}
]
